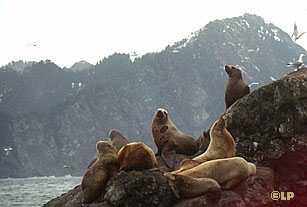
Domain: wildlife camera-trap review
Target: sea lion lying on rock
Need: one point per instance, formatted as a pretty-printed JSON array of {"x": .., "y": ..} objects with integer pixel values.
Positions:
[
  {"x": 236, "y": 88},
  {"x": 190, "y": 187},
  {"x": 100, "y": 171},
  {"x": 136, "y": 156},
  {"x": 222, "y": 145},
  {"x": 227, "y": 172},
  {"x": 169, "y": 139}
]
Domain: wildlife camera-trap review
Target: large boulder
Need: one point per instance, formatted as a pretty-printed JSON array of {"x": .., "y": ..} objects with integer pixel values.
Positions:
[{"x": 270, "y": 128}]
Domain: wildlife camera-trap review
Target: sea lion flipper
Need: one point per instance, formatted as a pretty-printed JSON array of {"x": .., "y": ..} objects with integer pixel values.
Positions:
[
  {"x": 231, "y": 183},
  {"x": 169, "y": 157}
]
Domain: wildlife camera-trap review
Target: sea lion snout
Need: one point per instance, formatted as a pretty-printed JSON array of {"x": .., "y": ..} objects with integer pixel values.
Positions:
[
  {"x": 162, "y": 113},
  {"x": 104, "y": 147},
  {"x": 228, "y": 69},
  {"x": 113, "y": 133},
  {"x": 233, "y": 71}
]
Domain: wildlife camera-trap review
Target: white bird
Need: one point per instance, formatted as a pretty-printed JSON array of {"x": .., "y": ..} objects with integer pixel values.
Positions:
[
  {"x": 33, "y": 44},
  {"x": 298, "y": 64},
  {"x": 7, "y": 150},
  {"x": 134, "y": 54},
  {"x": 296, "y": 34},
  {"x": 252, "y": 84},
  {"x": 272, "y": 78},
  {"x": 72, "y": 85},
  {"x": 255, "y": 145},
  {"x": 80, "y": 84}
]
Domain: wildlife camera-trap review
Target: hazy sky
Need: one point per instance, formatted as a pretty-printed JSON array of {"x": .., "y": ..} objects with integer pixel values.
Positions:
[{"x": 67, "y": 31}]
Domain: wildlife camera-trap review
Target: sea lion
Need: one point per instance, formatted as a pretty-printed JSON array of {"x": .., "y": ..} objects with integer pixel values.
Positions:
[
  {"x": 136, "y": 156},
  {"x": 117, "y": 139},
  {"x": 236, "y": 88},
  {"x": 227, "y": 172},
  {"x": 169, "y": 139},
  {"x": 203, "y": 141},
  {"x": 95, "y": 178},
  {"x": 222, "y": 145},
  {"x": 189, "y": 187}
]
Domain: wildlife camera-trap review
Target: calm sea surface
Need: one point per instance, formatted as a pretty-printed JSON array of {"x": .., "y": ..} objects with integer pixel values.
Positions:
[{"x": 34, "y": 192}]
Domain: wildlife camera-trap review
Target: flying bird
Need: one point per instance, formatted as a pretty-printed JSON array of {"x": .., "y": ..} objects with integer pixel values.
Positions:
[
  {"x": 296, "y": 34},
  {"x": 297, "y": 64},
  {"x": 32, "y": 44}
]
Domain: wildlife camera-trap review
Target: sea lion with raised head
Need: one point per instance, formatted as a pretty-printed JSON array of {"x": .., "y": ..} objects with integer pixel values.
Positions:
[
  {"x": 227, "y": 172},
  {"x": 118, "y": 140},
  {"x": 222, "y": 145},
  {"x": 136, "y": 156},
  {"x": 169, "y": 139},
  {"x": 102, "y": 169},
  {"x": 236, "y": 88}
]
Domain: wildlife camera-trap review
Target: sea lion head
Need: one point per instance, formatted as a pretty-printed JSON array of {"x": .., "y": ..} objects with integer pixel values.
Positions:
[
  {"x": 104, "y": 147},
  {"x": 136, "y": 156},
  {"x": 113, "y": 133},
  {"x": 220, "y": 123},
  {"x": 161, "y": 115},
  {"x": 233, "y": 71},
  {"x": 218, "y": 126}
]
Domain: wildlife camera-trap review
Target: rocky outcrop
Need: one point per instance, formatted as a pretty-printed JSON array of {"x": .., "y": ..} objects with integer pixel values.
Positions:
[
  {"x": 269, "y": 126},
  {"x": 270, "y": 121}
]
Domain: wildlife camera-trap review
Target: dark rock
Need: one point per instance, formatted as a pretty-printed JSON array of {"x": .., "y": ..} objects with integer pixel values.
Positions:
[
  {"x": 70, "y": 199},
  {"x": 140, "y": 188},
  {"x": 256, "y": 190}
]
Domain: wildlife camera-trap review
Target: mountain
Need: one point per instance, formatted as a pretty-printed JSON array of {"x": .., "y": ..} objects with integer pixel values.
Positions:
[
  {"x": 80, "y": 66},
  {"x": 50, "y": 124},
  {"x": 19, "y": 66}
]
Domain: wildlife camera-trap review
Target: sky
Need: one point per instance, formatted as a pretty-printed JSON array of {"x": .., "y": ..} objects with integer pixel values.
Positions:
[{"x": 67, "y": 31}]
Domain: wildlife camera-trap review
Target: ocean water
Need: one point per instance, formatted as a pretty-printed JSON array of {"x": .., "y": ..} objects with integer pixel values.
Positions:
[{"x": 35, "y": 191}]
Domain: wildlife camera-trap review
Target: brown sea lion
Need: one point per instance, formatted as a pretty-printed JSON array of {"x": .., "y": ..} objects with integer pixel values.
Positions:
[
  {"x": 236, "y": 88},
  {"x": 189, "y": 187},
  {"x": 203, "y": 141},
  {"x": 118, "y": 140},
  {"x": 227, "y": 172},
  {"x": 136, "y": 156},
  {"x": 95, "y": 178},
  {"x": 169, "y": 139},
  {"x": 222, "y": 145}
]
